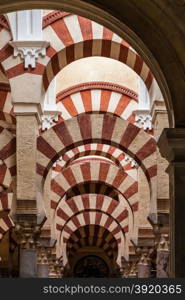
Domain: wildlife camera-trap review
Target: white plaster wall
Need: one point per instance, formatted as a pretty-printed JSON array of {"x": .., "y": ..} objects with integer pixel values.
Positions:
[{"x": 96, "y": 69}]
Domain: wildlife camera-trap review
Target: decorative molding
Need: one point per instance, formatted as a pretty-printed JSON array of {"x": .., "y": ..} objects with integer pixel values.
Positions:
[
  {"x": 29, "y": 51},
  {"x": 53, "y": 17},
  {"x": 49, "y": 119},
  {"x": 143, "y": 119},
  {"x": 47, "y": 20},
  {"x": 27, "y": 235},
  {"x": 96, "y": 85},
  {"x": 130, "y": 160}
]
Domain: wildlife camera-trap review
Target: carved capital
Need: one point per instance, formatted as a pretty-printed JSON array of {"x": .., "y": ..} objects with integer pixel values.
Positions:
[
  {"x": 163, "y": 244},
  {"x": 145, "y": 255},
  {"x": 48, "y": 120},
  {"x": 130, "y": 160},
  {"x": 29, "y": 51},
  {"x": 43, "y": 256},
  {"x": 143, "y": 119},
  {"x": 27, "y": 235}
]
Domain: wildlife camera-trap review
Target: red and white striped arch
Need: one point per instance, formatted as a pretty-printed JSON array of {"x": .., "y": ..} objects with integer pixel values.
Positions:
[
  {"x": 6, "y": 108},
  {"x": 103, "y": 150},
  {"x": 93, "y": 236},
  {"x": 6, "y": 224},
  {"x": 94, "y": 171},
  {"x": 119, "y": 210},
  {"x": 90, "y": 128},
  {"x": 5, "y": 176},
  {"x": 97, "y": 97},
  {"x": 92, "y": 218},
  {"x": 7, "y": 173},
  {"x": 5, "y": 184},
  {"x": 8, "y": 150},
  {"x": 73, "y": 37}
]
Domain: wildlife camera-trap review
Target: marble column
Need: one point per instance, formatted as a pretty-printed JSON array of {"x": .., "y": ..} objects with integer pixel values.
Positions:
[{"x": 172, "y": 147}]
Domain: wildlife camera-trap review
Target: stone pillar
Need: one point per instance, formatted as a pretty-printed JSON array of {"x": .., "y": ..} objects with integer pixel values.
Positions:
[
  {"x": 27, "y": 133},
  {"x": 144, "y": 264},
  {"x": 160, "y": 121},
  {"x": 172, "y": 147},
  {"x": 42, "y": 263},
  {"x": 163, "y": 257},
  {"x": 27, "y": 236}
]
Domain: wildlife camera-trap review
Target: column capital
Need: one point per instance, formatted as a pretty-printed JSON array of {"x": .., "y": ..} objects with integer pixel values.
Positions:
[
  {"x": 143, "y": 119},
  {"x": 172, "y": 144},
  {"x": 29, "y": 109},
  {"x": 43, "y": 256},
  {"x": 27, "y": 235},
  {"x": 163, "y": 244},
  {"x": 29, "y": 51},
  {"x": 145, "y": 254}
]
